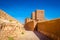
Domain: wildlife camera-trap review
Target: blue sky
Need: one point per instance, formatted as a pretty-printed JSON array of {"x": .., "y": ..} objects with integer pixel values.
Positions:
[{"x": 21, "y": 9}]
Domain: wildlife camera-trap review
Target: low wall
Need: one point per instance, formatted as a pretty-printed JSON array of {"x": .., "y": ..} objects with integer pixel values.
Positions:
[
  {"x": 50, "y": 28},
  {"x": 29, "y": 26}
]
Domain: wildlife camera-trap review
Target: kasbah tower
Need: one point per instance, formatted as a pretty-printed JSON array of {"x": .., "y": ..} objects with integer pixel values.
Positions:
[{"x": 37, "y": 16}]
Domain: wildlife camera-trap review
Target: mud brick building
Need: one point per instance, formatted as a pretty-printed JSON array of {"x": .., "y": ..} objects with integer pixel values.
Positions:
[{"x": 37, "y": 16}]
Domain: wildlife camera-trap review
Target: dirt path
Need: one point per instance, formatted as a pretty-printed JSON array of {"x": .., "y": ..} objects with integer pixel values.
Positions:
[{"x": 28, "y": 35}]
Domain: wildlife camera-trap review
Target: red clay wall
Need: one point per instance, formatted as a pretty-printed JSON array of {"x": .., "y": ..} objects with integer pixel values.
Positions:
[
  {"x": 50, "y": 28},
  {"x": 29, "y": 26}
]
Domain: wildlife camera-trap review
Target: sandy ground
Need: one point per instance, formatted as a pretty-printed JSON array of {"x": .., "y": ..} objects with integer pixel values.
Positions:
[{"x": 28, "y": 35}]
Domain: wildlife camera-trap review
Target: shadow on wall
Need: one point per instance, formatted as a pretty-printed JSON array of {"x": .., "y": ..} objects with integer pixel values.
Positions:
[
  {"x": 50, "y": 28},
  {"x": 40, "y": 35}
]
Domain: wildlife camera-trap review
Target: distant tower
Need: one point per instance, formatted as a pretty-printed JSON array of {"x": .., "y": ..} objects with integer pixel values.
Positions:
[
  {"x": 39, "y": 15},
  {"x": 33, "y": 15}
]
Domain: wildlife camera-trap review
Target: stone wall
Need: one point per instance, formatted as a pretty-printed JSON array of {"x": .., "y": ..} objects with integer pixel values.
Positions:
[
  {"x": 50, "y": 28},
  {"x": 30, "y": 25}
]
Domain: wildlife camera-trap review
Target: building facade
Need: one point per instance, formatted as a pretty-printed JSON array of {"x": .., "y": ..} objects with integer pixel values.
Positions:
[{"x": 39, "y": 15}]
